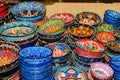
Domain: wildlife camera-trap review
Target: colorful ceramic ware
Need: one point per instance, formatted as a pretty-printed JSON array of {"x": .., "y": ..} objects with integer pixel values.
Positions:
[
  {"x": 116, "y": 32},
  {"x": 31, "y": 11},
  {"x": 89, "y": 48},
  {"x": 104, "y": 37},
  {"x": 88, "y": 18},
  {"x": 69, "y": 72},
  {"x": 101, "y": 71}
]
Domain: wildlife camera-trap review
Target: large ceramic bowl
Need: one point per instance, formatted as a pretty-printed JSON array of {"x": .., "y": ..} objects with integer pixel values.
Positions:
[
  {"x": 89, "y": 48},
  {"x": 8, "y": 56},
  {"x": 104, "y": 37},
  {"x": 51, "y": 29},
  {"x": 31, "y": 11},
  {"x": 101, "y": 71},
  {"x": 70, "y": 73},
  {"x": 81, "y": 31},
  {"x": 88, "y": 18},
  {"x": 60, "y": 52}
]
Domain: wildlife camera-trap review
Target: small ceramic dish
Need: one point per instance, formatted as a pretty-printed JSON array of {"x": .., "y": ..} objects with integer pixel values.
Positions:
[
  {"x": 81, "y": 31},
  {"x": 105, "y": 27},
  {"x": 89, "y": 48},
  {"x": 51, "y": 29},
  {"x": 104, "y": 37},
  {"x": 30, "y": 11},
  {"x": 88, "y": 18},
  {"x": 8, "y": 56},
  {"x": 116, "y": 32},
  {"x": 60, "y": 52},
  {"x": 69, "y": 72},
  {"x": 101, "y": 71}
]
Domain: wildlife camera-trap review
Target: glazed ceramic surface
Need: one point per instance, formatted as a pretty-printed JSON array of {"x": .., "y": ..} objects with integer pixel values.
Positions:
[
  {"x": 88, "y": 18},
  {"x": 69, "y": 72},
  {"x": 117, "y": 33}
]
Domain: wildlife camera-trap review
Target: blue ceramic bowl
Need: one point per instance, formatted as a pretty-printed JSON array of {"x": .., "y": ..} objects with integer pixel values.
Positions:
[
  {"x": 60, "y": 52},
  {"x": 115, "y": 61},
  {"x": 51, "y": 29},
  {"x": 30, "y": 11}
]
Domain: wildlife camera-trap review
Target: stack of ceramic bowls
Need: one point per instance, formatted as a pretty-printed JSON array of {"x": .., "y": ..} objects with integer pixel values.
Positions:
[
  {"x": 88, "y": 51},
  {"x": 112, "y": 17},
  {"x": 101, "y": 71},
  {"x": 79, "y": 31},
  {"x": 35, "y": 63},
  {"x": 51, "y": 31},
  {"x": 8, "y": 59},
  {"x": 30, "y": 11},
  {"x": 115, "y": 64},
  {"x": 60, "y": 54},
  {"x": 22, "y": 33},
  {"x": 67, "y": 17},
  {"x": 116, "y": 32}
]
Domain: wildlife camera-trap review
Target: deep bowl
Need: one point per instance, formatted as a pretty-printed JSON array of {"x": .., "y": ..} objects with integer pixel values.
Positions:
[
  {"x": 31, "y": 11},
  {"x": 51, "y": 29},
  {"x": 105, "y": 27},
  {"x": 89, "y": 48},
  {"x": 60, "y": 52},
  {"x": 8, "y": 56},
  {"x": 104, "y": 37},
  {"x": 81, "y": 31},
  {"x": 88, "y": 18}
]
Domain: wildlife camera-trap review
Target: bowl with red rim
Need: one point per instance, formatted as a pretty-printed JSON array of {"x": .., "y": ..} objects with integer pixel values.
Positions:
[
  {"x": 89, "y": 48},
  {"x": 101, "y": 71},
  {"x": 2, "y": 6},
  {"x": 88, "y": 18},
  {"x": 104, "y": 37},
  {"x": 67, "y": 17}
]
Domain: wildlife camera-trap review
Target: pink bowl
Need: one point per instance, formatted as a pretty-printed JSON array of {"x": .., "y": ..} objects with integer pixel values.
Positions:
[
  {"x": 89, "y": 48},
  {"x": 101, "y": 71}
]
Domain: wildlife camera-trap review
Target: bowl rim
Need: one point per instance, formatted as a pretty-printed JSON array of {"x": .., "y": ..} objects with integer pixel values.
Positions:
[
  {"x": 75, "y": 25},
  {"x": 3, "y": 4},
  {"x": 62, "y": 27},
  {"x": 43, "y": 10},
  {"x": 117, "y": 32}
]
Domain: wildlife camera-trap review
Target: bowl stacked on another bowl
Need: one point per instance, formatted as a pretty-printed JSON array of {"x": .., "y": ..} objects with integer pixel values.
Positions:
[
  {"x": 52, "y": 30},
  {"x": 31, "y": 11},
  {"x": 22, "y": 33}
]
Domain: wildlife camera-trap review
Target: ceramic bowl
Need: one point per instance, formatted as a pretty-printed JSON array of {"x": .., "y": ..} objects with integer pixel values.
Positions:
[
  {"x": 70, "y": 72},
  {"x": 51, "y": 29},
  {"x": 60, "y": 52},
  {"x": 101, "y": 71},
  {"x": 116, "y": 32},
  {"x": 88, "y": 18},
  {"x": 8, "y": 56},
  {"x": 89, "y": 48},
  {"x": 2, "y": 6},
  {"x": 81, "y": 31},
  {"x": 67, "y": 17},
  {"x": 104, "y": 37},
  {"x": 105, "y": 27},
  {"x": 30, "y": 11}
]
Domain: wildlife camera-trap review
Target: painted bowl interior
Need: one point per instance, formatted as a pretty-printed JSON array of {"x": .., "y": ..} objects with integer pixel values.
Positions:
[
  {"x": 104, "y": 37},
  {"x": 59, "y": 49},
  {"x": 105, "y": 27},
  {"x": 28, "y": 9},
  {"x": 70, "y": 73},
  {"x": 117, "y": 33},
  {"x": 90, "y": 45},
  {"x": 52, "y": 27},
  {"x": 35, "y": 52},
  {"x": 8, "y": 53},
  {"x": 82, "y": 30},
  {"x": 68, "y": 18},
  {"x": 101, "y": 69},
  {"x": 88, "y": 18}
]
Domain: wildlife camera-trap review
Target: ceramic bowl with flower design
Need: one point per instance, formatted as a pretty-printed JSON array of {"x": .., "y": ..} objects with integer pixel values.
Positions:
[
  {"x": 88, "y": 18},
  {"x": 67, "y": 17},
  {"x": 101, "y": 71},
  {"x": 104, "y": 37},
  {"x": 31, "y": 11},
  {"x": 89, "y": 48},
  {"x": 8, "y": 56},
  {"x": 51, "y": 29}
]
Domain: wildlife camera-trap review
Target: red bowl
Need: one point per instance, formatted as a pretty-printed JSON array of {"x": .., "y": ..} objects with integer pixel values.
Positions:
[
  {"x": 4, "y": 13},
  {"x": 89, "y": 48}
]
